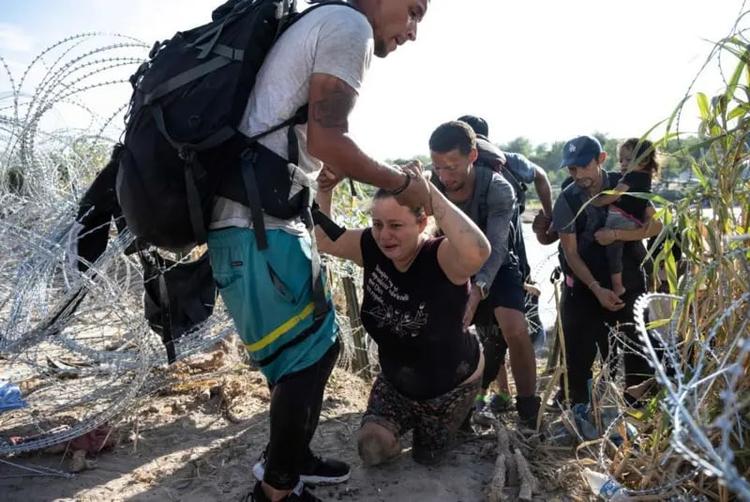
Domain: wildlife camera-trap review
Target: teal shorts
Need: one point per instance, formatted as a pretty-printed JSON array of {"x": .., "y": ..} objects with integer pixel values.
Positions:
[{"x": 269, "y": 296}]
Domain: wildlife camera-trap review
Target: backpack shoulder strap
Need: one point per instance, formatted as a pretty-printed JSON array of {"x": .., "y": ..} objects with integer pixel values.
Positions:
[
  {"x": 575, "y": 204},
  {"x": 483, "y": 193},
  {"x": 517, "y": 185}
]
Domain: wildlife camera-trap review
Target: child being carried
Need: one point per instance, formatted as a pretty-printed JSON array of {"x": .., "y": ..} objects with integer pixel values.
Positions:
[{"x": 626, "y": 212}]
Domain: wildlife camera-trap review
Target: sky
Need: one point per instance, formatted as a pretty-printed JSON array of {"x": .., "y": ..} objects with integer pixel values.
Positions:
[{"x": 547, "y": 70}]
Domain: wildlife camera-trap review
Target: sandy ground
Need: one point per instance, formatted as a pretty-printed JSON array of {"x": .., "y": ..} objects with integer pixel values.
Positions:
[{"x": 198, "y": 441}]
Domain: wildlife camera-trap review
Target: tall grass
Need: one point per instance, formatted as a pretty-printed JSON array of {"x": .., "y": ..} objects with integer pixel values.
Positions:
[{"x": 693, "y": 436}]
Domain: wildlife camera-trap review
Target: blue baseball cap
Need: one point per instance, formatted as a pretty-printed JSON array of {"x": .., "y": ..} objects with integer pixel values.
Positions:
[{"x": 580, "y": 151}]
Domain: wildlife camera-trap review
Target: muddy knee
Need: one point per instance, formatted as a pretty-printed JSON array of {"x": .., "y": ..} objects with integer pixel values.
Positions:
[{"x": 377, "y": 445}]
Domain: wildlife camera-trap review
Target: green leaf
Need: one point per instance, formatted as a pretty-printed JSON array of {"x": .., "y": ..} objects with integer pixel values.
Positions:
[
  {"x": 703, "y": 106},
  {"x": 658, "y": 323},
  {"x": 738, "y": 112}
]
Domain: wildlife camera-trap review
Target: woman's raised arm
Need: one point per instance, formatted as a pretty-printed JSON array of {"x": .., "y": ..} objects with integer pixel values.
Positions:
[{"x": 465, "y": 248}]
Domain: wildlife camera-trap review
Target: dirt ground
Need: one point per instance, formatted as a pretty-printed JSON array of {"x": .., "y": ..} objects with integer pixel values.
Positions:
[{"x": 198, "y": 440}]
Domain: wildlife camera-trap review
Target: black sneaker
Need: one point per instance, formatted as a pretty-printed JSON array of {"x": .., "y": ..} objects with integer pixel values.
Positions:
[
  {"x": 318, "y": 471},
  {"x": 528, "y": 410},
  {"x": 299, "y": 494}
]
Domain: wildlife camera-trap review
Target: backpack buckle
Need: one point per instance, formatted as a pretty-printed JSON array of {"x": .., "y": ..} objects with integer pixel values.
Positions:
[
  {"x": 187, "y": 154},
  {"x": 155, "y": 49},
  {"x": 249, "y": 155}
]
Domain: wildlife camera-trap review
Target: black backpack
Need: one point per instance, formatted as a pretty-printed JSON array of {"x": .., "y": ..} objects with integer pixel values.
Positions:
[
  {"x": 180, "y": 140},
  {"x": 492, "y": 157},
  {"x": 181, "y": 134},
  {"x": 182, "y": 144},
  {"x": 178, "y": 296}
]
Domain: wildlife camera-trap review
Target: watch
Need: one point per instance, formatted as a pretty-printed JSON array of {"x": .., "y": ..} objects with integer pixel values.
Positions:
[{"x": 484, "y": 290}]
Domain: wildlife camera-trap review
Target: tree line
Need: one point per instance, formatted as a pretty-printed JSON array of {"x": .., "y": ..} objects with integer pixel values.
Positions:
[{"x": 676, "y": 159}]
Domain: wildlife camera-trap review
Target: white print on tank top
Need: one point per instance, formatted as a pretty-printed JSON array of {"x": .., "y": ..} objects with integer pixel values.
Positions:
[{"x": 387, "y": 296}]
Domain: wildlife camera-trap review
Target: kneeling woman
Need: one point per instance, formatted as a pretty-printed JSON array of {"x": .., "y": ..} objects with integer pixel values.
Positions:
[{"x": 415, "y": 292}]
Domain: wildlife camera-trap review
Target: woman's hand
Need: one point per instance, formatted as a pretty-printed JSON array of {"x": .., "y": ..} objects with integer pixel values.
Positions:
[{"x": 605, "y": 236}]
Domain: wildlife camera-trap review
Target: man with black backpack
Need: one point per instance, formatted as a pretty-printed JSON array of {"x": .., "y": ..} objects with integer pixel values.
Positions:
[
  {"x": 320, "y": 61},
  {"x": 488, "y": 198},
  {"x": 588, "y": 307},
  {"x": 229, "y": 125}
]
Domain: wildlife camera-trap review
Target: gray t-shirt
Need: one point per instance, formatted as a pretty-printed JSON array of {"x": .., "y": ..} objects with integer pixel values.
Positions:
[
  {"x": 333, "y": 40},
  {"x": 500, "y": 203}
]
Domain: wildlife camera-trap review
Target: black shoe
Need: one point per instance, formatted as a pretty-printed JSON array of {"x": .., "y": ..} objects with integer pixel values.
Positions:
[
  {"x": 528, "y": 410},
  {"x": 317, "y": 471},
  {"x": 300, "y": 494}
]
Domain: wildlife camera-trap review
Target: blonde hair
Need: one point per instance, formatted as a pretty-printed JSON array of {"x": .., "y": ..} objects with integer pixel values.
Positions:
[{"x": 419, "y": 212}]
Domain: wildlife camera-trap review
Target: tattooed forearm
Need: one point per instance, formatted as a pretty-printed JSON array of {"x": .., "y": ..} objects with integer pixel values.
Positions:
[
  {"x": 333, "y": 109},
  {"x": 467, "y": 245},
  {"x": 438, "y": 211}
]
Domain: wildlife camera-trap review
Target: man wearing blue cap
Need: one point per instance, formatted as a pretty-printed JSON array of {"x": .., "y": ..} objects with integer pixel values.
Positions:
[{"x": 588, "y": 307}]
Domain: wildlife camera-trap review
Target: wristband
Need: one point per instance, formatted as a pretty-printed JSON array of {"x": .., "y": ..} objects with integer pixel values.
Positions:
[
  {"x": 593, "y": 283},
  {"x": 403, "y": 187}
]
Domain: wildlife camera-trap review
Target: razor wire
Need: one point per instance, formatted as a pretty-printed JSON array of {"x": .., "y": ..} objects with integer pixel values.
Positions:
[
  {"x": 76, "y": 342},
  {"x": 686, "y": 394}
]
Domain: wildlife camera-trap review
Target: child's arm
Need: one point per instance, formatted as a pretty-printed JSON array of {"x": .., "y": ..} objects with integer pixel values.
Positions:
[{"x": 605, "y": 200}]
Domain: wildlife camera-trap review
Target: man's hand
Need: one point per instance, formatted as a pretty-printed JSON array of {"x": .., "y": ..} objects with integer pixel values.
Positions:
[
  {"x": 328, "y": 179},
  {"x": 471, "y": 306},
  {"x": 417, "y": 194},
  {"x": 542, "y": 227},
  {"x": 541, "y": 223},
  {"x": 607, "y": 298},
  {"x": 605, "y": 236}
]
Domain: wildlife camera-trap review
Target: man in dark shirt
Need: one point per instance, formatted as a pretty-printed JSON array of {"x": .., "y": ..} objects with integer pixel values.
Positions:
[
  {"x": 589, "y": 308},
  {"x": 489, "y": 200}
]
